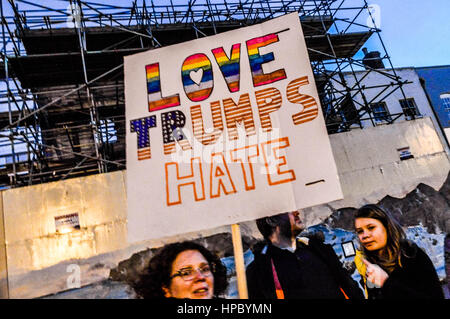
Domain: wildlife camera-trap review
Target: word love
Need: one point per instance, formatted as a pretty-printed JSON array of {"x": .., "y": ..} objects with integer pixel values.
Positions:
[
  {"x": 221, "y": 182},
  {"x": 197, "y": 73},
  {"x": 268, "y": 100}
]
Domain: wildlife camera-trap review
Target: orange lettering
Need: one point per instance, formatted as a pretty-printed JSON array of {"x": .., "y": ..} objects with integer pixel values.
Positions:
[
  {"x": 242, "y": 112},
  {"x": 197, "y": 123},
  {"x": 244, "y": 156},
  {"x": 310, "y": 108},
  {"x": 268, "y": 100},
  {"x": 174, "y": 182},
  {"x": 218, "y": 179},
  {"x": 272, "y": 160}
]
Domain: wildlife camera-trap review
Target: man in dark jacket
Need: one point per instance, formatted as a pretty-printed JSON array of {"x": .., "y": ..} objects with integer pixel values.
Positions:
[{"x": 296, "y": 268}]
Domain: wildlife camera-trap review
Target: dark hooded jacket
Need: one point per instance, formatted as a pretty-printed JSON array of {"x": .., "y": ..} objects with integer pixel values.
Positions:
[
  {"x": 313, "y": 271},
  {"x": 416, "y": 278}
]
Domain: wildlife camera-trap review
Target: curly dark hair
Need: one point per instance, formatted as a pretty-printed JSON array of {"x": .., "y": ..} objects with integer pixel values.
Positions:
[{"x": 157, "y": 274}]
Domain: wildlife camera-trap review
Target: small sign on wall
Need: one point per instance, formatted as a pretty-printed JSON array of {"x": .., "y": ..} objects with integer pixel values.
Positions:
[
  {"x": 404, "y": 153},
  {"x": 67, "y": 223},
  {"x": 349, "y": 249}
]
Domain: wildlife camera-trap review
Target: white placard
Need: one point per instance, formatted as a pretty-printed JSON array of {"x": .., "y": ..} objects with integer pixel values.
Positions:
[{"x": 224, "y": 129}]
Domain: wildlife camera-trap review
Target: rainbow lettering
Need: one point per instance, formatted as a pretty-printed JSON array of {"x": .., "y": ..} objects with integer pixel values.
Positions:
[
  {"x": 256, "y": 60},
  {"x": 197, "y": 77},
  {"x": 155, "y": 99},
  {"x": 229, "y": 66}
]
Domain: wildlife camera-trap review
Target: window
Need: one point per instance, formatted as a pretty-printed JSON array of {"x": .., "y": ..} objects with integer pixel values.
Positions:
[
  {"x": 445, "y": 99},
  {"x": 404, "y": 153},
  {"x": 349, "y": 249},
  {"x": 21, "y": 152},
  {"x": 409, "y": 108},
  {"x": 107, "y": 131},
  {"x": 380, "y": 112}
]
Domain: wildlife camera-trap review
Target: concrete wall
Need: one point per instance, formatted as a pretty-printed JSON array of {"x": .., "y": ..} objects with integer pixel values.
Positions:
[
  {"x": 3, "y": 261},
  {"x": 34, "y": 247},
  {"x": 42, "y": 262}
]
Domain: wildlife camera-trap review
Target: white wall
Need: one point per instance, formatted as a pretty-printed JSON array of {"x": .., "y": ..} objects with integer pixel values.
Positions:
[
  {"x": 39, "y": 259},
  {"x": 371, "y": 79}
]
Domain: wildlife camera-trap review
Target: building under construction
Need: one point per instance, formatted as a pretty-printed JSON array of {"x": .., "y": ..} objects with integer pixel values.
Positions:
[{"x": 62, "y": 90}]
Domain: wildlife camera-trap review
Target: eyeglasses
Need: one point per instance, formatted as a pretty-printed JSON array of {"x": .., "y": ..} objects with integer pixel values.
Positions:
[{"x": 189, "y": 273}]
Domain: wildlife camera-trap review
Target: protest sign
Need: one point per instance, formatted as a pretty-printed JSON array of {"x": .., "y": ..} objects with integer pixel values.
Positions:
[{"x": 224, "y": 129}]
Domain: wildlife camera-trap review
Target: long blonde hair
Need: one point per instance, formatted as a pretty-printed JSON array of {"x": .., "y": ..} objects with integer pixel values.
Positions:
[{"x": 390, "y": 256}]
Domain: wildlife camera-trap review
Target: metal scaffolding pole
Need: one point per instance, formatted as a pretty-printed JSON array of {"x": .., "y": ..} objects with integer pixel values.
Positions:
[{"x": 77, "y": 125}]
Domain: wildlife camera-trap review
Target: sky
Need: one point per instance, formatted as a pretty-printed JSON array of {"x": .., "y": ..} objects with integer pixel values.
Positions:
[{"x": 415, "y": 32}]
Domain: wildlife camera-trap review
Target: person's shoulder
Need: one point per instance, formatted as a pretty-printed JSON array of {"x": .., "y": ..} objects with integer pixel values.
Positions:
[
  {"x": 259, "y": 262},
  {"x": 410, "y": 249},
  {"x": 414, "y": 254},
  {"x": 259, "y": 247},
  {"x": 314, "y": 238},
  {"x": 260, "y": 253},
  {"x": 316, "y": 241}
]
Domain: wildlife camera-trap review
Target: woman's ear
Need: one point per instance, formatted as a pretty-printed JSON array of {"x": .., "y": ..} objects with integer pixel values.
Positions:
[{"x": 166, "y": 291}]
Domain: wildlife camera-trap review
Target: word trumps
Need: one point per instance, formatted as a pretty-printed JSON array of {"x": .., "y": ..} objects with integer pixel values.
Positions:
[{"x": 268, "y": 100}]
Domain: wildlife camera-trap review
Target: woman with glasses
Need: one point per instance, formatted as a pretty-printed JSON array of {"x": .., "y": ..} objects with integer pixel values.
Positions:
[
  {"x": 390, "y": 265},
  {"x": 184, "y": 270}
]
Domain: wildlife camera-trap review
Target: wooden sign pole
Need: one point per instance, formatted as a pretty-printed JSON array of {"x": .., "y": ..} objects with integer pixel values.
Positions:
[{"x": 239, "y": 261}]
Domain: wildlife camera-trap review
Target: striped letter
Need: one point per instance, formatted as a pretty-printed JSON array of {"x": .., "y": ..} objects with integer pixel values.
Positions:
[
  {"x": 256, "y": 60},
  {"x": 229, "y": 66},
  {"x": 197, "y": 123},
  {"x": 197, "y": 77},
  {"x": 155, "y": 99},
  {"x": 242, "y": 112},
  {"x": 142, "y": 127},
  {"x": 310, "y": 108},
  {"x": 172, "y": 124},
  {"x": 268, "y": 100}
]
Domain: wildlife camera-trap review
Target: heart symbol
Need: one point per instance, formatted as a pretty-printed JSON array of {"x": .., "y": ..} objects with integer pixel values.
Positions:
[{"x": 196, "y": 76}]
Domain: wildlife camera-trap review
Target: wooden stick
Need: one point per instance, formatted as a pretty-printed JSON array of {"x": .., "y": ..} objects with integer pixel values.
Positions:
[{"x": 239, "y": 261}]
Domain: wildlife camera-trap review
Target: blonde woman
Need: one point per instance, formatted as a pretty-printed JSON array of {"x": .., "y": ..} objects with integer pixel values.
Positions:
[{"x": 390, "y": 265}]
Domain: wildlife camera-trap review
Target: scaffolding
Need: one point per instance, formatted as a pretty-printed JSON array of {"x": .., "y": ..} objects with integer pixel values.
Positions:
[{"x": 62, "y": 92}]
